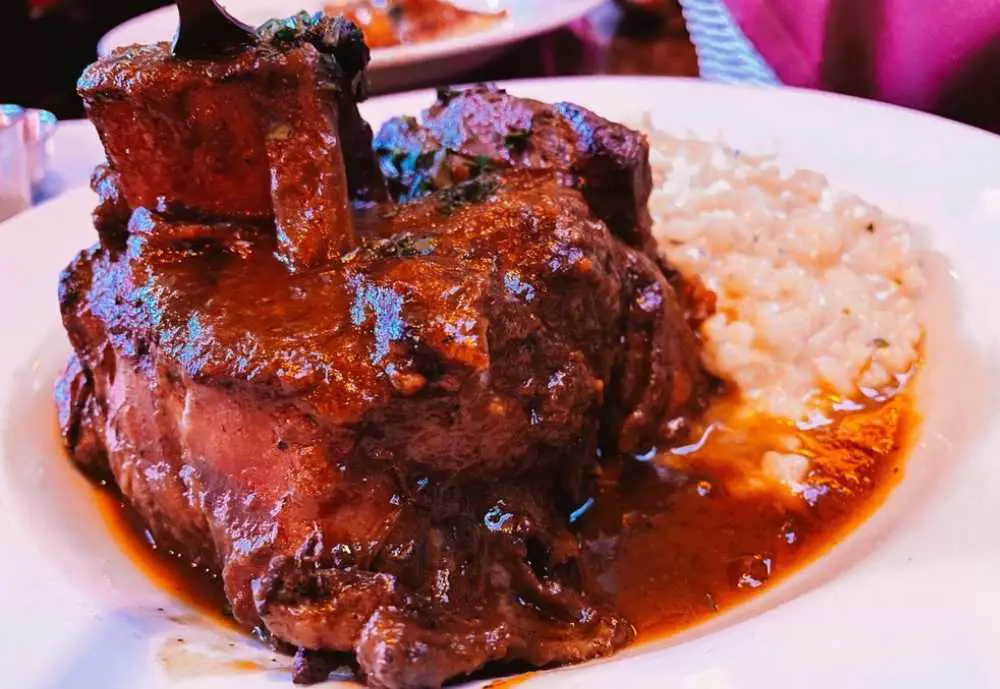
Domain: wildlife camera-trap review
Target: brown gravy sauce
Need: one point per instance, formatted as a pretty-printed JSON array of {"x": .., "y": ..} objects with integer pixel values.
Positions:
[
  {"x": 681, "y": 537},
  {"x": 197, "y": 587},
  {"x": 678, "y": 542}
]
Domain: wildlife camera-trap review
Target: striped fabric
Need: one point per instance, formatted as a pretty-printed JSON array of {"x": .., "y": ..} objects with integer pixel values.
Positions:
[{"x": 724, "y": 53}]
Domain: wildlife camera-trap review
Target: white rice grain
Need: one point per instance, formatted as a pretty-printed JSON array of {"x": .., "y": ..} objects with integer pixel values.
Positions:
[{"x": 816, "y": 288}]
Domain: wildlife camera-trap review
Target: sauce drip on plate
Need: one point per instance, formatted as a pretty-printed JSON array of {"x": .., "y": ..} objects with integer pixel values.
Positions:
[
  {"x": 196, "y": 586},
  {"x": 677, "y": 542},
  {"x": 677, "y": 538}
]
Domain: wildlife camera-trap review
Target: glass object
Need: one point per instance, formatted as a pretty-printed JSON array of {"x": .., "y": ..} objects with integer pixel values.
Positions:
[
  {"x": 15, "y": 174},
  {"x": 39, "y": 126}
]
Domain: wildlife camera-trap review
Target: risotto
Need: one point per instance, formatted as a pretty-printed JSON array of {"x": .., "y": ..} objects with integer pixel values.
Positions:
[{"x": 816, "y": 289}]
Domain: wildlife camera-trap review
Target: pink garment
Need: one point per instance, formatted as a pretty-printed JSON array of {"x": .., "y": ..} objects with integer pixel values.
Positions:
[{"x": 936, "y": 55}]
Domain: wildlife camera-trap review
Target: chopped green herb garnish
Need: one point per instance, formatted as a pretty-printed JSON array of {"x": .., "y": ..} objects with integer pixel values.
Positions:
[
  {"x": 288, "y": 29},
  {"x": 478, "y": 164},
  {"x": 403, "y": 163},
  {"x": 473, "y": 191},
  {"x": 516, "y": 140},
  {"x": 879, "y": 343},
  {"x": 329, "y": 35},
  {"x": 406, "y": 247}
]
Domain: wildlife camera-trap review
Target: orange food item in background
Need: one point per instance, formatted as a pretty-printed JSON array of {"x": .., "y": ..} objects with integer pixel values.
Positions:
[{"x": 396, "y": 22}]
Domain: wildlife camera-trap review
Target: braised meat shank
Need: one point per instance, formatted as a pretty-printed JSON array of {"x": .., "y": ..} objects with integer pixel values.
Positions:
[
  {"x": 483, "y": 127},
  {"x": 377, "y": 441},
  {"x": 271, "y": 134}
]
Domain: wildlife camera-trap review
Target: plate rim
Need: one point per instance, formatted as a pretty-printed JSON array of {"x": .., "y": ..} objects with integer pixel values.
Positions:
[
  {"x": 561, "y": 13},
  {"x": 566, "y": 85}
]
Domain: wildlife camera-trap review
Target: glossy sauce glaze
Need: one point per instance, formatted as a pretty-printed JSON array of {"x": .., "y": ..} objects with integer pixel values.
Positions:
[
  {"x": 680, "y": 537},
  {"x": 195, "y": 586}
]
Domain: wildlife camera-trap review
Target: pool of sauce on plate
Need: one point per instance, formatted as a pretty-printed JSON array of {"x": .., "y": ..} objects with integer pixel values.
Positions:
[
  {"x": 676, "y": 538},
  {"x": 197, "y": 587},
  {"x": 677, "y": 542}
]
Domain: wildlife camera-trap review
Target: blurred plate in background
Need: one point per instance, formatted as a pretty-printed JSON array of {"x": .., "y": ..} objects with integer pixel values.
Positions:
[{"x": 393, "y": 67}]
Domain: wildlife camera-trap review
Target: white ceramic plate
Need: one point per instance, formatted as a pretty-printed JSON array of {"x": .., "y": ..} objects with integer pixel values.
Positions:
[
  {"x": 396, "y": 66},
  {"x": 910, "y": 599}
]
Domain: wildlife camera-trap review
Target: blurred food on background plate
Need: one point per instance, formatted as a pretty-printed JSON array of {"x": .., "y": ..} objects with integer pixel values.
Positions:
[{"x": 396, "y": 22}]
